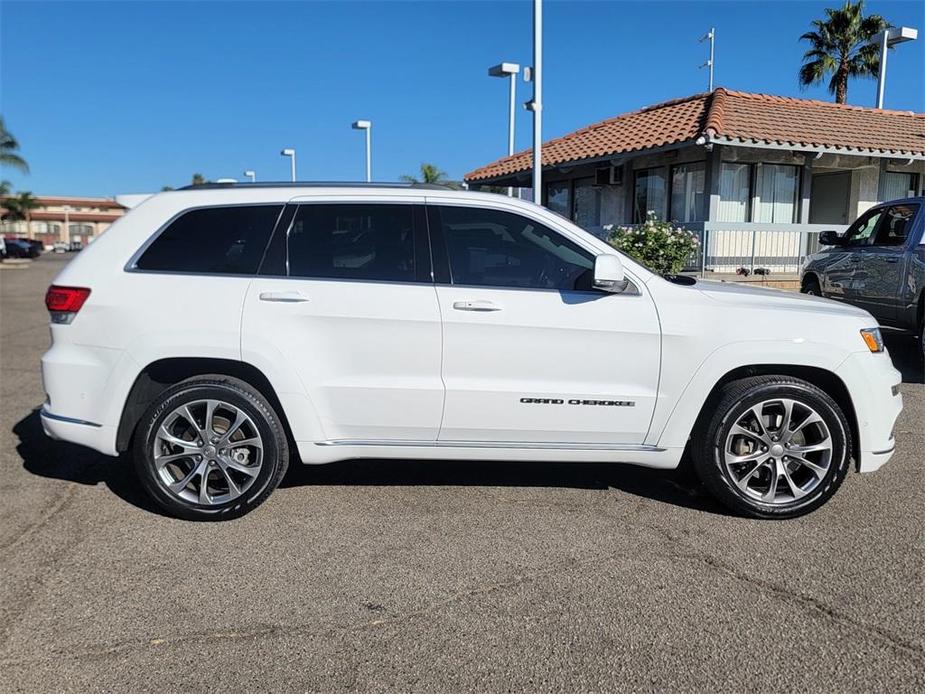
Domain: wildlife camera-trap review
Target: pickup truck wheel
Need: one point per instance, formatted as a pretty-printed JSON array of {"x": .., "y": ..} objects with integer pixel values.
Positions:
[
  {"x": 210, "y": 448},
  {"x": 811, "y": 287},
  {"x": 774, "y": 447}
]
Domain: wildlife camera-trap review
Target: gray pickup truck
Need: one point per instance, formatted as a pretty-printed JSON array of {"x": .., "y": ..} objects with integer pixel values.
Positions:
[{"x": 877, "y": 264}]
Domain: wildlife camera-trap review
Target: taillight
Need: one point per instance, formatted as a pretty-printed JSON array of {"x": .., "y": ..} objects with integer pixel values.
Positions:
[{"x": 63, "y": 303}]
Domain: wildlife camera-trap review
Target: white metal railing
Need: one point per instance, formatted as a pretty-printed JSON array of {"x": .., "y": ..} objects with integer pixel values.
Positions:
[{"x": 776, "y": 248}]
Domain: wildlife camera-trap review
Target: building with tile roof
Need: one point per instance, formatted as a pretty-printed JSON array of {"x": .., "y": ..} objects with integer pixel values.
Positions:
[{"x": 740, "y": 165}]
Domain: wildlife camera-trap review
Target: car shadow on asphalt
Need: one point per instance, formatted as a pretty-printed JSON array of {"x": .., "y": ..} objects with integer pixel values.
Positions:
[
  {"x": 907, "y": 355},
  {"x": 45, "y": 457}
]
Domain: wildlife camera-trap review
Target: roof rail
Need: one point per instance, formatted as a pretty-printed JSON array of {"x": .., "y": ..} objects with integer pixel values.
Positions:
[{"x": 316, "y": 184}]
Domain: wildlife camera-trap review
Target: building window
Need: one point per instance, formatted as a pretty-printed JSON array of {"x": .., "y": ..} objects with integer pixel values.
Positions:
[
  {"x": 586, "y": 212},
  {"x": 734, "y": 192},
  {"x": 897, "y": 185},
  {"x": 649, "y": 194},
  {"x": 558, "y": 198},
  {"x": 777, "y": 190},
  {"x": 687, "y": 184}
]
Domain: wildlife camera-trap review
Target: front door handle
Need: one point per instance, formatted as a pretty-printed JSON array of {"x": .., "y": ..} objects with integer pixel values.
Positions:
[
  {"x": 284, "y": 297},
  {"x": 480, "y": 305},
  {"x": 890, "y": 258}
]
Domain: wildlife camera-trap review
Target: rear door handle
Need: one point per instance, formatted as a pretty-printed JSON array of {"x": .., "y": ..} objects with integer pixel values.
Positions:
[
  {"x": 476, "y": 306},
  {"x": 890, "y": 258},
  {"x": 284, "y": 297}
]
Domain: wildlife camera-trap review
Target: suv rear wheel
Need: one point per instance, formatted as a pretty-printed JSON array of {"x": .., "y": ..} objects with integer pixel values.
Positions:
[
  {"x": 774, "y": 447},
  {"x": 210, "y": 448}
]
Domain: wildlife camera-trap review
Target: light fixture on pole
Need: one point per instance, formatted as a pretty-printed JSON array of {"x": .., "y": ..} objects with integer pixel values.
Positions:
[
  {"x": 289, "y": 152},
  {"x": 887, "y": 39},
  {"x": 251, "y": 175},
  {"x": 711, "y": 35},
  {"x": 366, "y": 125},
  {"x": 535, "y": 74},
  {"x": 509, "y": 70}
]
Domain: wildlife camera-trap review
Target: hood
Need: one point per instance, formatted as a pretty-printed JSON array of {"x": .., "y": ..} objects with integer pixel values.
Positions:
[{"x": 745, "y": 296}]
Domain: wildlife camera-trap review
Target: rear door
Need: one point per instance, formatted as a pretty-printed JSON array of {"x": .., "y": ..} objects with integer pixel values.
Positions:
[
  {"x": 532, "y": 356},
  {"x": 881, "y": 269},
  {"x": 345, "y": 298}
]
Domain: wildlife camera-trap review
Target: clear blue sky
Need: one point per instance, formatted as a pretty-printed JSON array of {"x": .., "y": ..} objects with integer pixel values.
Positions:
[{"x": 117, "y": 97}]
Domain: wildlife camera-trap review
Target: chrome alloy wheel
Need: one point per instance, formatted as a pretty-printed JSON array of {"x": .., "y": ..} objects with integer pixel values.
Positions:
[
  {"x": 778, "y": 451},
  {"x": 207, "y": 452}
]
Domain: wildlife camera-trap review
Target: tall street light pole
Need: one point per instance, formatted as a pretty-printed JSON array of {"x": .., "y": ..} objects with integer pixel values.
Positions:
[
  {"x": 509, "y": 70},
  {"x": 251, "y": 175},
  {"x": 536, "y": 104},
  {"x": 887, "y": 39},
  {"x": 289, "y": 152},
  {"x": 366, "y": 125}
]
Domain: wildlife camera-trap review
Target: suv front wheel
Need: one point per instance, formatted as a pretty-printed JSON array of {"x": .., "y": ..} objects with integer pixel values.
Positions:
[
  {"x": 210, "y": 448},
  {"x": 774, "y": 447}
]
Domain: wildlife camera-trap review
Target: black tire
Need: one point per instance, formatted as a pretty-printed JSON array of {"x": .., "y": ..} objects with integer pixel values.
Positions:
[
  {"x": 241, "y": 395},
  {"x": 811, "y": 287},
  {"x": 734, "y": 401}
]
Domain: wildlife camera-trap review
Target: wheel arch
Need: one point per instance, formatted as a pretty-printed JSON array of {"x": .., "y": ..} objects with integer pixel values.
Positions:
[
  {"x": 159, "y": 375},
  {"x": 810, "y": 276},
  {"x": 828, "y": 381}
]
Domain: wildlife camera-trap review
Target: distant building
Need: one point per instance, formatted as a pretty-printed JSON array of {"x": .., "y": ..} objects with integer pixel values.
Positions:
[{"x": 66, "y": 219}]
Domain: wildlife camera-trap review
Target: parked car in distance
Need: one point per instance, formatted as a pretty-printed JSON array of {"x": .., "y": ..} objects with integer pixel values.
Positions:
[
  {"x": 61, "y": 247},
  {"x": 17, "y": 248},
  {"x": 878, "y": 264},
  {"x": 217, "y": 331}
]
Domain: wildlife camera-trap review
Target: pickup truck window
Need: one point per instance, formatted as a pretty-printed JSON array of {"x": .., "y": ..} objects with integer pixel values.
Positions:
[
  {"x": 862, "y": 231},
  {"x": 895, "y": 225}
]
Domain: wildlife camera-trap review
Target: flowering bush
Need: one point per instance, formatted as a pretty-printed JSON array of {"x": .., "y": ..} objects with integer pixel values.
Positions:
[{"x": 660, "y": 246}]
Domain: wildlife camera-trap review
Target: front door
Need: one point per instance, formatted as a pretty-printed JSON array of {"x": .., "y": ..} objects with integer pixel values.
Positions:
[
  {"x": 880, "y": 271},
  {"x": 530, "y": 353},
  {"x": 839, "y": 281},
  {"x": 345, "y": 298}
]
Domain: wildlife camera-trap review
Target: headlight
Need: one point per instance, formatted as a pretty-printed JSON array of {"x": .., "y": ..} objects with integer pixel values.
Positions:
[{"x": 873, "y": 339}]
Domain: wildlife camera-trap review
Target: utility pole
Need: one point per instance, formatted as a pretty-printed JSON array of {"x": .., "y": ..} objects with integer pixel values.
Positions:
[
  {"x": 536, "y": 105},
  {"x": 710, "y": 62}
]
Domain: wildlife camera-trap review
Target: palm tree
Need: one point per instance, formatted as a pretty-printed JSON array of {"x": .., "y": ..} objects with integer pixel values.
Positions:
[
  {"x": 430, "y": 174},
  {"x": 8, "y": 150},
  {"x": 841, "y": 47},
  {"x": 5, "y": 188},
  {"x": 198, "y": 179},
  {"x": 20, "y": 208}
]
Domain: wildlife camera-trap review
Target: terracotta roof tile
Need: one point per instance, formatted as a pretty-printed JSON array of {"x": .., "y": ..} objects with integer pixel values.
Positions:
[{"x": 731, "y": 116}]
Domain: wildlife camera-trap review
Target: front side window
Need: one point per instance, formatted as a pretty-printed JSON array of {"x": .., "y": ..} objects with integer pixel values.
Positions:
[
  {"x": 649, "y": 194},
  {"x": 861, "y": 232},
  {"x": 213, "y": 240},
  {"x": 492, "y": 248},
  {"x": 353, "y": 241},
  {"x": 687, "y": 183},
  {"x": 895, "y": 226}
]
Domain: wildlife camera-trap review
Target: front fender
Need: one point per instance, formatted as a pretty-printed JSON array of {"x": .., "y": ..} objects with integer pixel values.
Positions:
[{"x": 672, "y": 427}]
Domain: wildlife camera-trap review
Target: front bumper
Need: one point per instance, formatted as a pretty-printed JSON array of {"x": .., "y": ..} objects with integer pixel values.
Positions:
[{"x": 871, "y": 380}]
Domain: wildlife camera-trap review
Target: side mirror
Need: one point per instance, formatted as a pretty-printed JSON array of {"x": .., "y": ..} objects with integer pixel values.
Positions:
[
  {"x": 608, "y": 274},
  {"x": 831, "y": 238}
]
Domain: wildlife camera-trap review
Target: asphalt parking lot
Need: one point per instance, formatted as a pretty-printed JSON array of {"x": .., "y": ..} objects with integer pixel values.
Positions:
[{"x": 427, "y": 577}]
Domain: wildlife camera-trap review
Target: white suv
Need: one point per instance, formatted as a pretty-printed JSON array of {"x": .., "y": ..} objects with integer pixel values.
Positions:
[{"x": 214, "y": 332}]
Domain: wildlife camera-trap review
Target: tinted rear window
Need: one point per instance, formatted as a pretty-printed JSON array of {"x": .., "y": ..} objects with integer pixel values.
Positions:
[{"x": 213, "y": 240}]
